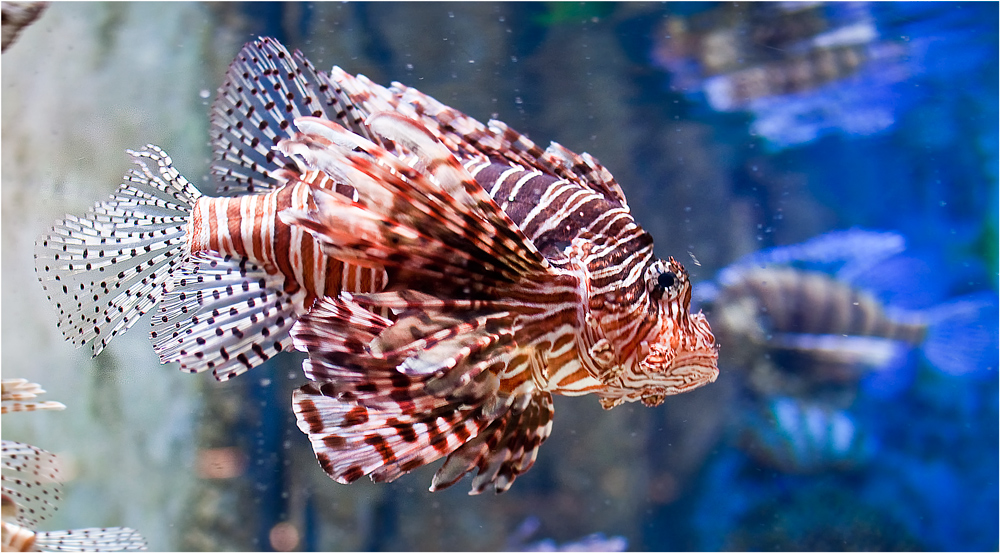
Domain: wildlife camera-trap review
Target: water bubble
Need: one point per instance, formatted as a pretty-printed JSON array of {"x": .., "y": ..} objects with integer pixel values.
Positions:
[
  {"x": 409, "y": 67},
  {"x": 204, "y": 93}
]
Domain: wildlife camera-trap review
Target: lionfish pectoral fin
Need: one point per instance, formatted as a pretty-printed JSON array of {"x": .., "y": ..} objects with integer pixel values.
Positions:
[
  {"x": 415, "y": 224},
  {"x": 321, "y": 329},
  {"x": 225, "y": 314},
  {"x": 351, "y": 440},
  {"x": 505, "y": 449},
  {"x": 103, "y": 271}
]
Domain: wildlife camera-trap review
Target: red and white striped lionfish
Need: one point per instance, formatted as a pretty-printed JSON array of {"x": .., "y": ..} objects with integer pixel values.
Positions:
[
  {"x": 447, "y": 276},
  {"x": 31, "y": 488}
]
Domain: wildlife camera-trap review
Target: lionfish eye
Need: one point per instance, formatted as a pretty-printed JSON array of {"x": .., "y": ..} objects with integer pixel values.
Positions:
[{"x": 666, "y": 279}]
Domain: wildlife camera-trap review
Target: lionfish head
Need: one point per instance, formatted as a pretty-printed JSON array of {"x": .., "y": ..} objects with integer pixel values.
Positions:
[{"x": 678, "y": 353}]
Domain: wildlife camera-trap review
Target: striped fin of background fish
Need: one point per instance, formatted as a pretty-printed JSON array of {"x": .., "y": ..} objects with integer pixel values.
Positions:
[
  {"x": 158, "y": 236},
  {"x": 17, "y": 395},
  {"x": 800, "y": 436}
]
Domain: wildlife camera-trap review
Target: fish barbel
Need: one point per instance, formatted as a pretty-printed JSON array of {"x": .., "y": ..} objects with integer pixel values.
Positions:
[{"x": 500, "y": 273}]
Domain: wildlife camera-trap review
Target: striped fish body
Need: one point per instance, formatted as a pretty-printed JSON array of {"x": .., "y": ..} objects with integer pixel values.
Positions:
[
  {"x": 248, "y": 227},
  {"x": 790, "y": 300}
]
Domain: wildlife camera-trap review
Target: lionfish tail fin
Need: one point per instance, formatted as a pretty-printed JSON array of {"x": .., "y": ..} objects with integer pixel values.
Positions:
[
  {"x": 105, "y": 270},
  {"x": 225, "y": 314}
]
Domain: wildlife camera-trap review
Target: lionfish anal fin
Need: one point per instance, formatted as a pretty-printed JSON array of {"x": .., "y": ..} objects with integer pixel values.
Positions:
[{"x": 224, "y": 314}]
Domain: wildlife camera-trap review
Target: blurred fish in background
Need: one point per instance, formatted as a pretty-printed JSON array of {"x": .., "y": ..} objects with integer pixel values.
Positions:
[
  {"x": 518, "y": 540},
  {"x": 808, "y": 326},
  {"x": 31, "y": 489},
  {"x": 839, "y": 306},
  {"x": 821, "y": 336},
  {"x": 803, "y": 69}
]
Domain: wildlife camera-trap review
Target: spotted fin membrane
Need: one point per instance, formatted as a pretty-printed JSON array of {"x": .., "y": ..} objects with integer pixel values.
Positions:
[
  {"x": 224, "y": 314},
  {"x": 105, "y": 270}
]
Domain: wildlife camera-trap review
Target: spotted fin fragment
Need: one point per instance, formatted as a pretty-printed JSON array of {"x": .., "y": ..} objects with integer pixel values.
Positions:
[
  {"x": 105, "y": 270},
  {"x": 18, "y": 538},
  {"x": 31, "y": 482},
  {"x": 224, "y": 314}
]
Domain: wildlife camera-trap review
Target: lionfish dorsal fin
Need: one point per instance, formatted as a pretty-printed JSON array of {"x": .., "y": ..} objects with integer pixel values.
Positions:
[
  {"x": 431, "y": 154},
  {"x": 265, "y": 89},
  {"x": 224, "y": 314}
]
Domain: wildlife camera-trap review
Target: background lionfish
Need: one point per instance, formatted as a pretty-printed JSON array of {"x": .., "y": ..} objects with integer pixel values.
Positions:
[
  {"x": 809, "y": 324},
  {"x": 31, "y": 488},
  {"x": 463, "y": 274}
]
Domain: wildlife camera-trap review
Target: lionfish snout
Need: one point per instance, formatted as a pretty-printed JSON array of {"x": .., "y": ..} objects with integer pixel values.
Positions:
[{"x": 682, "y": 355}]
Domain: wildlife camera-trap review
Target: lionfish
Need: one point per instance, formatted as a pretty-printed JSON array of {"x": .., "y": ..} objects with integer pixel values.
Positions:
[
  {"x": 31, "y": 488},
  {"x": 445, "y": 277}
]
